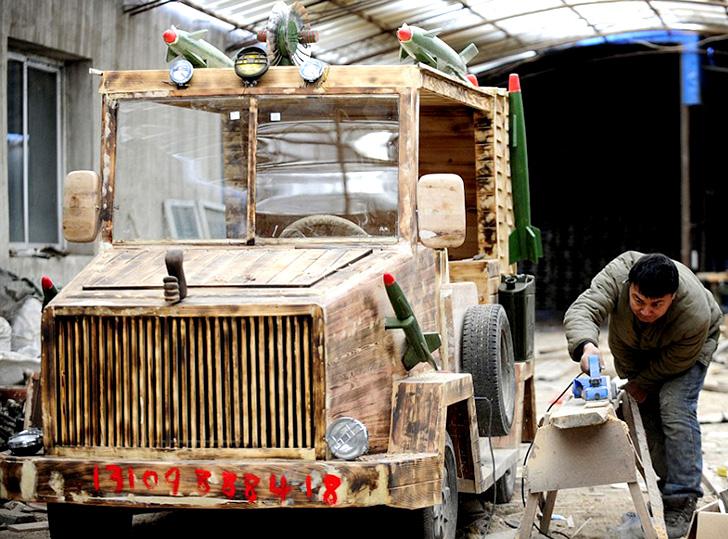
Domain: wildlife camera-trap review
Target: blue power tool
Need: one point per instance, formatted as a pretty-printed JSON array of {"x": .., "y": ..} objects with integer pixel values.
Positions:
[{"x": 593, "y": 387}]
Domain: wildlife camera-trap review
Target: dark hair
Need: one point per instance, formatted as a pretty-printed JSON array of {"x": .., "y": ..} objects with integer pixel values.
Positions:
[{"x": 655, "y": 275}]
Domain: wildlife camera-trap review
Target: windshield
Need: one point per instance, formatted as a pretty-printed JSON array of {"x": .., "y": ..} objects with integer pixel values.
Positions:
[
  {"x": 181, "y": 169},
  {"x": 324, "y": 166}
]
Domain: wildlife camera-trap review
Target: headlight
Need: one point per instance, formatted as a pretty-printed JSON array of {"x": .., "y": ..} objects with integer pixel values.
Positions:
[
  {"x": 347, "y": 438},
  {"x": 26, "y": 442},
  {"x": 180, "y": 72}
]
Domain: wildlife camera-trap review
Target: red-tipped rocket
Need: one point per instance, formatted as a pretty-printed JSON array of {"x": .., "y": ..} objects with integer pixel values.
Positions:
[
  {"x": 420, "y": 345},
  {"x": 525, "y": 240},
  {"x": 49, "y": 289}
]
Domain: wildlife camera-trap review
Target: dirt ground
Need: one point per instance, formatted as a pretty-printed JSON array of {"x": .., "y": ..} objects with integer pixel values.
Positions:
[{"x": 592, "y": 513}]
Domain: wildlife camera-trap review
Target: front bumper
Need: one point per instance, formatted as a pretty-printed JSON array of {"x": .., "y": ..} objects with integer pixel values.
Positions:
[{"x": 405, "y": 480}]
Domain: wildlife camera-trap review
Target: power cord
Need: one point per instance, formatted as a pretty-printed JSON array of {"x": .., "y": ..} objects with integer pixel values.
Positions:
[{"x": 492, "y": 458}]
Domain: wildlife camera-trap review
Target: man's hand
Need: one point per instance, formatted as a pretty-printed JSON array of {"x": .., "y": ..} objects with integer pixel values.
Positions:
[
  {"x": 636, "y": 391},
  {"x": 590, "y": 350}
]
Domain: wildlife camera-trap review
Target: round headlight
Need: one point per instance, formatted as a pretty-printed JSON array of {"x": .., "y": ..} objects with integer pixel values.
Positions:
[
  {"x": 311, "y": 70},
  {"x": 347, "y": 438},
  {"x": 26, "y": 442},
  {"x": 251, "y": 63},
  {"x": 180, "y": 72}
]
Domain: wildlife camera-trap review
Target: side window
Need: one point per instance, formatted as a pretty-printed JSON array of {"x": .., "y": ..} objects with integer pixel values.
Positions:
[{"x": 34, "y": 151}]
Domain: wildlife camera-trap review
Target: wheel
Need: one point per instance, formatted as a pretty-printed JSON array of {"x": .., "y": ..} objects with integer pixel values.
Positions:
[
  {"x": 487, "y": 354},
  {"x": 439, "y": 521},
  {"x": 504, "y": 487},
  {"x": 313, "y": 226},
  {"x": 87, "y": 521}
]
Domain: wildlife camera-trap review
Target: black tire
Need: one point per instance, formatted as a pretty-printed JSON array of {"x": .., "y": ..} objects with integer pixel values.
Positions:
[
  {"x": 87, "y": 521},
  {"x": 487, "y": 354},
  {"x": 440, "y": 521},
  {"x": 504, "y": 487}
]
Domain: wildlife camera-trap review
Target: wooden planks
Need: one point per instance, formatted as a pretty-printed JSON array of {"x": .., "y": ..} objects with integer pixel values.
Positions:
[
  {"x": 409, "y": 480},
  {"x": 129, "y": 268}
]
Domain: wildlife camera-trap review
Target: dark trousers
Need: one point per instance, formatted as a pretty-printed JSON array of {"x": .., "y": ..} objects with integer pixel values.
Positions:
[{"x": 673, "y": 433}]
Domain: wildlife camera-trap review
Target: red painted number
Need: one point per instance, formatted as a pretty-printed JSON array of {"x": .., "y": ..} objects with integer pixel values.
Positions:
[
  {"x": 97, "y": 485},
  {"x": 331, "y": 482},
  {"x": 150, "y": 479},
  {"x": 172, "y": 477},
  {"x": 117, "y": 476},
  {"x": 228, "y": 484},
  {"x": 130, "y": 474},
  {"x": 281, "y": 490},
  {"x": 203, "y": 481},
  {"x": 309, "y": 489},
  {"x": 251, "y": 481}
]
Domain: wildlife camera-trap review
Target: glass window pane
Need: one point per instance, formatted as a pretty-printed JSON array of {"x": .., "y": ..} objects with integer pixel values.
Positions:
[
  {"x": 178, "y": 154},
  {"x": 42, "y": 156},
  {"x": 15, "y": 150},
  {"x": 327, "y": 166}
]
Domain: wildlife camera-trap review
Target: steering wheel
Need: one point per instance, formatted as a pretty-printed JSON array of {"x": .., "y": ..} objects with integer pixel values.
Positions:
[{"x": 313, "y": 226}]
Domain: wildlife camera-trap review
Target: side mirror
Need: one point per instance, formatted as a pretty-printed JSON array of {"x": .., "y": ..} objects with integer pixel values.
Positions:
[
  {"x": 441, "y": 210},
  {"x": 81, "y": 206}
]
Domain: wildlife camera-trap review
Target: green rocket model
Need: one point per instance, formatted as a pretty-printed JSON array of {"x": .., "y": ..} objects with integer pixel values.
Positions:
[
  {"x": 419, "y": 345},
  {"x": 189, "y": 45},
  {"x": 525, "y": 241},
  {"x": 425, "y": 47}
]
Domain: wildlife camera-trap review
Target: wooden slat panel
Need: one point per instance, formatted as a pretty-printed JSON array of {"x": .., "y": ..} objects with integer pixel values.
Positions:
[
  {"x": 236, "y": 404},
  {"x": 254, "y": 436},
  {"x": 298, "y": 356},
  {"x": 159, "y": 396},
  {"x": 103, "y": 416},
  {"x": 184, "y": 440},
  {"x": 134, "y": 373},
  {"x": 201, "y": 329},
  {"x": 178, "y": 382},
  {"x": 262, "y": 401},
  {"x": 192, "y": 335},
  {"x": 289, "y": 384},
  {"x": 62, "y": 384},
  {"x": 175, "y": 403},
  {"x": 143, "y": 401},
  {"x": 226, "y": 389},
  {"x": 308, "y": 440}
]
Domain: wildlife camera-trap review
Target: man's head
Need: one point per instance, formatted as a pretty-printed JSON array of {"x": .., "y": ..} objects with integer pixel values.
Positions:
[{"x": 653, "y": 283}]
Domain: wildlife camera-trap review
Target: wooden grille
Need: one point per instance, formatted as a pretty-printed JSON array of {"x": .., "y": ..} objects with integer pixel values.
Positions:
[{"x": 179, "y": 382}]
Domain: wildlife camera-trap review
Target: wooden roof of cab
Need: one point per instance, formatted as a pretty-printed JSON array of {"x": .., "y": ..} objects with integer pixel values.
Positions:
[{"x": 435, "y": 88}]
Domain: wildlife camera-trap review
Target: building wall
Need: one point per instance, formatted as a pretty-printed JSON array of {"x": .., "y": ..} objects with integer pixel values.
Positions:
[{"x": 84, "y": 34}]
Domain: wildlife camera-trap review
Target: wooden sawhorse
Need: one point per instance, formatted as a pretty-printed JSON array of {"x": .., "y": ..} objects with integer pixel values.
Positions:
[{"x": 585, "y": 444}]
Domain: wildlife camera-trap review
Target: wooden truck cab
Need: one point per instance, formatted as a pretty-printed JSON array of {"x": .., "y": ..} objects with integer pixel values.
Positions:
[{"x": 223, "y": 399}]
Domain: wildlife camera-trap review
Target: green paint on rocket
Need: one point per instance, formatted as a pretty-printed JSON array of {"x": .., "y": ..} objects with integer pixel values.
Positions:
[
  {"x": 191, "y": 46},
  {"x": 419, "y": 345},
  {"x": 524, "y": 242}
]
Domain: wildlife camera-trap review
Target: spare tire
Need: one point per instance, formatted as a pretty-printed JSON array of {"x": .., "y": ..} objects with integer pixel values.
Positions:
[{"x": 487, "y": 354}]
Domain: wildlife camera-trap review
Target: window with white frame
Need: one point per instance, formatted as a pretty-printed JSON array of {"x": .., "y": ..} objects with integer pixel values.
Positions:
[{"x": 34, "y": 151}]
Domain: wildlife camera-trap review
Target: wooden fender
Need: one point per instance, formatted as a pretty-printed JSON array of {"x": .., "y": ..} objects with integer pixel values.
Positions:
[{"x": 425, "y": 406}]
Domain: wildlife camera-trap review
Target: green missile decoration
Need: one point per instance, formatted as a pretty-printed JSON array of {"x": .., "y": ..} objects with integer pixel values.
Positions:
[
  {"x": 191, "y": 46},
  {"x": 288, "y": 35},
  {"x": 49, "y": 290},
  {"x": 425, "y": 47},
  {"x": 419, "y": 345},
  {"x": 524, "y": 242}
]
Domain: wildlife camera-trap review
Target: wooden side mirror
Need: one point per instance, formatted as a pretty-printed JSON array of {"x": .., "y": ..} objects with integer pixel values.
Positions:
[
  {"x": 81, "y": 206},
  {"x": 441, "y": 210}
]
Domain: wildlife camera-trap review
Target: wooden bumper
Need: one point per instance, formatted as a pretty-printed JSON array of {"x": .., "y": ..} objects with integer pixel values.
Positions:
[{"x": 399, "y": 480}]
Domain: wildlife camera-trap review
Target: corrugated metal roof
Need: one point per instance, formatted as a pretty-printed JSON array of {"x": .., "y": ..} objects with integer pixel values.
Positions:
[{"x": 353, "y": 32}]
